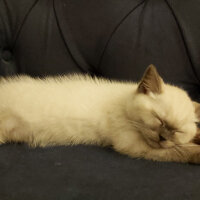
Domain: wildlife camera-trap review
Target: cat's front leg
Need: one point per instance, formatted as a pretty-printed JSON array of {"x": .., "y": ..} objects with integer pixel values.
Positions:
[{"x": 189, "y": 153}]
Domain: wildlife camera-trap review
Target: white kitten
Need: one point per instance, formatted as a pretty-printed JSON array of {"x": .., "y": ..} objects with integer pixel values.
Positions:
[{"x": 151, "y": 119}]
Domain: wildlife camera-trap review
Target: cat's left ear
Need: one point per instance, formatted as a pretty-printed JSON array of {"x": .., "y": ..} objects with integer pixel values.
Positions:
[
  {"x": 196, "y": 139},
  {"x": 151, "y": 82},
  {"x": 197, "y": 109}
]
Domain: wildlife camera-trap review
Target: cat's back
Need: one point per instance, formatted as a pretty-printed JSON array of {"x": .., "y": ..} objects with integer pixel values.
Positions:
[
  {"x": 50, "y": 81},
  {"x": 24, "y": 82},
  {"x": 60, "y": 97},
  {"x": 65, "y": 84},
  {"x": 67, "y": 90}
]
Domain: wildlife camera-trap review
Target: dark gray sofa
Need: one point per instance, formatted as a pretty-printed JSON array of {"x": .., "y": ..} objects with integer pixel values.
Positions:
[{"x": 115, "y": 39}]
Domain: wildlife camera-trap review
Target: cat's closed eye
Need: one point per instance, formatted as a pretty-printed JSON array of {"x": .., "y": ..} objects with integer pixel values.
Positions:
[
  {"x": 162, "y": 123},
  {"x": 165, "y": 125}
]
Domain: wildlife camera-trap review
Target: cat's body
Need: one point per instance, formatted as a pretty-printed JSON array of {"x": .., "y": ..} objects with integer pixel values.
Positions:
[
  {"x": 77, "y": 108},
  {"x": 81, "y": 110}
]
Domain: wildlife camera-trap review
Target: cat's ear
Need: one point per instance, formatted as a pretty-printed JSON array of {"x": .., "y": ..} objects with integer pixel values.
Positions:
[
  {"x": 151, "y": 81},
  {"x": 196, "y": 139},
  {"x": 197, "y": 109}
]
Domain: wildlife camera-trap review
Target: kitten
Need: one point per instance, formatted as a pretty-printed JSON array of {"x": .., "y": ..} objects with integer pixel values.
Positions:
[{"x": 151, "y": 120}]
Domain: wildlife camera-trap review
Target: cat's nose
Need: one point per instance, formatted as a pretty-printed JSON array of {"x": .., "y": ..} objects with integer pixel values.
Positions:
[{"x": 161, "y": 138}]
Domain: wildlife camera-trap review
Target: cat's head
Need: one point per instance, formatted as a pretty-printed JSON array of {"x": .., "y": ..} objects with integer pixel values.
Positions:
[{"x": 163, "y": 114}]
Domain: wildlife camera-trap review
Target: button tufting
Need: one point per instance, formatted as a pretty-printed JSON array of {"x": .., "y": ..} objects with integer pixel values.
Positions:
[{"x": 6, "y": 55}]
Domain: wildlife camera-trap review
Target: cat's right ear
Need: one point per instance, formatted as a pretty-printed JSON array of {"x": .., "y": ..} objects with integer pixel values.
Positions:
[
  {"x": 197, "y": 109},
  {"x": 151, "y": 82},
  {"x": 196, "y": 139}
]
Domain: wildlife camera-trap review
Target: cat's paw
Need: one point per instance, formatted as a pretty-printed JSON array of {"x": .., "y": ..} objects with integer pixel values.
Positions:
[{"x": 195, "y": 159}]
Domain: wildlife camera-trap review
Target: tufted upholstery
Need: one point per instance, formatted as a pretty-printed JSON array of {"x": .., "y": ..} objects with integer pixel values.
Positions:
[{"x": 115, "y": 39}]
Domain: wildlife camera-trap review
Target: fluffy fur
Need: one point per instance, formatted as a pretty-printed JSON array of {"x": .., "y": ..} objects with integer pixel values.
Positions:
[{"x": 151, "y": 119}]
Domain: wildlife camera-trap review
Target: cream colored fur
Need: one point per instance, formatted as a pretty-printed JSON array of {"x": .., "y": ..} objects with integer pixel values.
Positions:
[{"x": 81, "y": 110}]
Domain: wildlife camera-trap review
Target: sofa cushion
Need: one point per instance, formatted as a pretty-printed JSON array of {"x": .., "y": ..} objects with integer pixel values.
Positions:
[{"x": 88, "y": 173}]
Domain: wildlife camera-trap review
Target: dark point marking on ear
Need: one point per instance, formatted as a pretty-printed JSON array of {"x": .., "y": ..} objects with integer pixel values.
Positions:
[
  {"x": 196, "y": 139},
  {"x": 151, "y": 81},
  {"x": 197, "y": 109}
]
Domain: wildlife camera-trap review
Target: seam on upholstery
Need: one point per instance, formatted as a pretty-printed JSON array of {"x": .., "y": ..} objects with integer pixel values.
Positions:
[
  {"x": 184, "y": 41},
  {"x": 3, "y": 28},
  {"x": 9, "y": 33},
  {"x": 79, "y": 60},
  {"x": 114, "y": 30},
  {"x": 23, "y": 22}
]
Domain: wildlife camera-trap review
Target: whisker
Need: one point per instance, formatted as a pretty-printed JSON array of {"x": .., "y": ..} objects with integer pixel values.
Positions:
[{"x": 187, "y": 145}]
